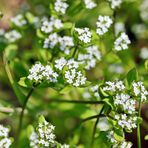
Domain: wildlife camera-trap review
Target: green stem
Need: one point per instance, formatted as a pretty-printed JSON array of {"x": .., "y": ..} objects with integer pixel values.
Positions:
[
  {"x": 75, "y": 101},
  {"x": 138, "y": 126},
  {"x": 95, "y": 126}
]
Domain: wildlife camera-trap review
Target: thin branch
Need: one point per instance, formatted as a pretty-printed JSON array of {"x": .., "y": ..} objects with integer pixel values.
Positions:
[
  {"x": 74, "y": 101},
  {"x": 95, "y": 126}
]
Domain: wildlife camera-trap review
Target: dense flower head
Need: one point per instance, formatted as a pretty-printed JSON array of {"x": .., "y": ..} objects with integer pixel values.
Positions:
[
  {"x": 103, "y": 24},
  {"x": 40, "y": 72},
  {"x": 49, "y": 26},
  {"x": 84, "y": 34},
  {"x": 43, "y": 136},
  {"x": 65, "y": 42},
  {"x": 51, "y": 41},
  {"x": 118, "y": 144},
  {"x": 90, "y": 58},
  {"x": 126, "y": 122},
  {"x": 128, "y": 104},
  {"x": 90, "y": 4},
  {"x": 140, "y": 90},
  {"x": 75, "y": 77},
  {"x": 114, "y": 86},
  {"x": 122, "y": 42},
  {"x": 115, "y": 3},
  {"x": 19, "y": 20},
  {"x": 5, "y": 141},
  {"x": 12, "y": 36},
  {"x": 60, "y": 6}
]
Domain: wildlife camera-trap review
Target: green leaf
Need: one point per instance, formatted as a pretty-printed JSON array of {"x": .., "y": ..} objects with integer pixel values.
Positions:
[
  {"x": 146, "y": 137},
  {"x": 25, "y": 82},
  {"x": 30, "y": 129},
  {"x": 41, "y": 119},
  {"x": 139, "y": 120},
  {"x": 119, "y": 134},
  {"x": 18, "y": 92},
  {"x": 146, "y": 64},
  {"x": 109, "y": 102},
  {"x": 66, "y": 90},
  {"x": 102, "y": 93},
  {"x": 11, "y": 51},
  {"x": 132, "y": 75}
]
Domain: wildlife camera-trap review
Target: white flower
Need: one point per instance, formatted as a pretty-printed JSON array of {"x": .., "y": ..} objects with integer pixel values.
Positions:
[
  {"x": 39, "y": 72},
  {"x": 144, "y": 53},
  {"x": 19, "y": 20},
  {"x": 90, "y": 4},
  {"x": 122, "y": 42},
  {"x": 60, "y": 6},
  {"x": 60, "y": 63},
  {"x": 51, "y": 41},
  {"x": 13, "y": 36},
  {"x": 90, "y": 58},
  {"x": 103, "y": 24},
  {"x": 49, "y": 26},
  {"x": 84, "y": 34},
  {"x": 139, "y": 90},
  {"x": 43, "y": 136},
  {"x": 94, "y": 89},
  {"x": 5, "y": 141},
  {"x": 75, "y": 77},
  {"x": 115, "y": 3},
  {"x": 126, "y": 122},
  {"x": 114, "y": 86},
  {"x": 65, "y": 43},
  {"x": 126, "y": 102},
  {"x": 118, "y": 144}
]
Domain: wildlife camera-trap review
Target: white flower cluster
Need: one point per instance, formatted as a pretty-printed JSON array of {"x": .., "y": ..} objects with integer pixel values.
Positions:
[
  {"x": 49, "y": 26},
  {"x": 39, "y": 72},
  {"x": 71, "y": 63},
  {"x": 75, "y": 77},
  {"x": 19, "y": 20},
  {"x": 115, "y": 3},
  {"x": 90, "y": 4},
  {"x": 65, "y": 42},
  {"x": 12, "y": 36},
  {"x": 117, "y": 144},
  {"x": 124, "y": 100},
  {"x": 144, "y": 53},
  {"x": 5, "y": 141},
  {"x": 60, "y": 6},
  {"x": 122, "y": 42},
  {"x": 140, "y": 91},
  {"x": 43, "y": 136},
  {"x": 90, "y": 58},
  {"x": 126, "y": 122},
  {"x": 84, "y": 34},
  {"x": 114, "y": 86},
  {"x": 103, "y": 24},
  {"x": 144, "y": 10}
]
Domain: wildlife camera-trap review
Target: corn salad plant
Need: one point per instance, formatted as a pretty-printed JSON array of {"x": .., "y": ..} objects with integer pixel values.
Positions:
[{"x": 74, "y": 63}]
